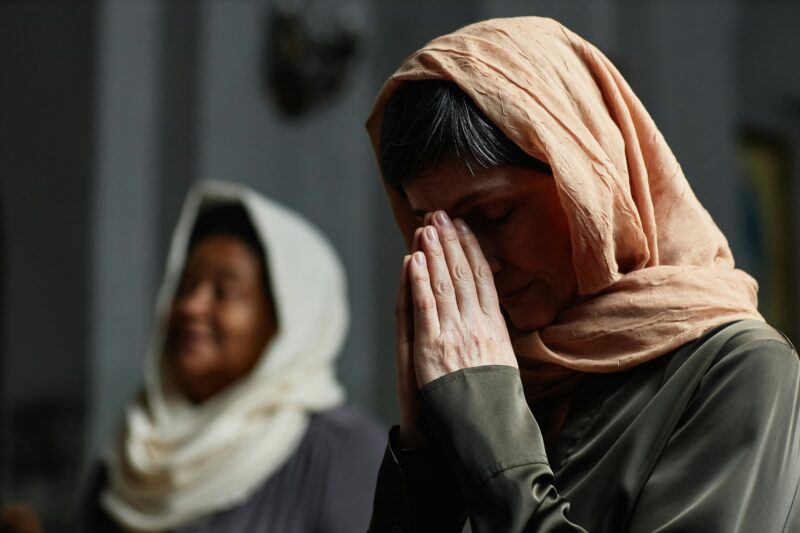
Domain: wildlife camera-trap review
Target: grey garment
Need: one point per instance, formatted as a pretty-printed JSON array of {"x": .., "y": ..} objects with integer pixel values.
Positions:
[
  {"x": 706, "y": 439},
  {"x": 325, "y": 487}
]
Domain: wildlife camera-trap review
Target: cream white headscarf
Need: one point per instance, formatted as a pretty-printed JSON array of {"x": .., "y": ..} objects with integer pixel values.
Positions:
[
  {"x": 173, "y": 461},
  {"x": 654, "y": 272}
]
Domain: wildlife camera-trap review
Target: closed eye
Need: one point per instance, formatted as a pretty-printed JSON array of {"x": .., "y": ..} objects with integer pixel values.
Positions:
[
  {"x": 484, "y": 220},
  {"x": 501, "y": 218}
]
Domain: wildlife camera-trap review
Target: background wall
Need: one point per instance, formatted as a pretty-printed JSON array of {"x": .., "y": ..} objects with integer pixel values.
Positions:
[
  {"x": 47, "y": 152},
  {"x": 111, "y": 110}
]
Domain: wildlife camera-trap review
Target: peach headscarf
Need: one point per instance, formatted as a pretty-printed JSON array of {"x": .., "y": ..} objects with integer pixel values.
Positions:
[{"x": 654, "y": 272}]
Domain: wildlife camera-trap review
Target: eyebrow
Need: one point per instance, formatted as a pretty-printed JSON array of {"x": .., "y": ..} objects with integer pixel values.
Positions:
[
  {"x": 229, "y": 274},
  {"x": 223, "y": 273},
  {"x": 462, "y": 205}
]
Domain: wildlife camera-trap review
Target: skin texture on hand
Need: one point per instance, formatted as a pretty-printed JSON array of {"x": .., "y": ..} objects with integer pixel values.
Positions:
[{"x": 448, "y": 315}]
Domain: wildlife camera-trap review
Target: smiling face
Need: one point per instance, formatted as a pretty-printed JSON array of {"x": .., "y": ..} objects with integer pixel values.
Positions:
[
  {"x": 518, "y": 220},
  {"x": 221, "y": 318}
]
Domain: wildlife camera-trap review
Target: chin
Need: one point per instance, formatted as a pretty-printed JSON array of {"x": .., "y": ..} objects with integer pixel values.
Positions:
[
  {"x": 188, "y": 364},
  {"x": 193, "y": 379},
  {"x": 534, "y": 312}
]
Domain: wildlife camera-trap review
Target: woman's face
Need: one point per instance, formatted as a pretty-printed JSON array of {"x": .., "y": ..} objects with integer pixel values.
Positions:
[
  {"x": 221, "y": 318},
  {"x": 518, "y": 220}
]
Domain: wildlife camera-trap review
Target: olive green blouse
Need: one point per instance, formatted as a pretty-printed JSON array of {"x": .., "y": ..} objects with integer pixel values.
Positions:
[{"x": 705, "y": 439}]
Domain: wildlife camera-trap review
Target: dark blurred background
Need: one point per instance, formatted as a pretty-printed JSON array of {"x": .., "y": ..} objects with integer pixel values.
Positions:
[{"x": 110, "y": 110}]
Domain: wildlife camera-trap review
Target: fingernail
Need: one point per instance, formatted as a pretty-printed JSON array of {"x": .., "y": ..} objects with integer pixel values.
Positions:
[
  {"x": 442, "y": 219},
  {"x": 427, "y": 219},
  {"x": 461, "y": 226},
  {"x": 415, "y": 240},
  {"x": 430, "y": 233},
  {"x": 419, "y": 257}
]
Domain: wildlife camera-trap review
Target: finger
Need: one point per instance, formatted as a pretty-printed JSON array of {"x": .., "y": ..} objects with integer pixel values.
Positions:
[
  {"x": 441, "y": 283},
  {"x": 457, "y": 264},
  {"x": 426, "y": 317},
  {"x": 481, "y": 272},
  {"x": 404, "y": 334},
  {"x": 415, "y": 240}
]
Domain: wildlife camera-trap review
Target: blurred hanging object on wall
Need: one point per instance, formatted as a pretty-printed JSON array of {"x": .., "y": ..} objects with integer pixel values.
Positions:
[{"x": 311, "y": 49}]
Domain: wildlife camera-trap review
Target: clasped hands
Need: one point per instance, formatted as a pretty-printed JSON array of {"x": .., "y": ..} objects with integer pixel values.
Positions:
[{"x": 447, "y": 315}]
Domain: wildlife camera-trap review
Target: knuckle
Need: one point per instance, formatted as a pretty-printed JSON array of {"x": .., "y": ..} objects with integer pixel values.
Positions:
[
  {"x": 470, "y": 336},
  {"x": 469, "y": 239},
  {"x": 420, "y": 277},
  {"x": 477, "y": 345},
  {"x": 443, "y": 288},
  {"x": 423, "y": 305},
  {"x": 462, "y": 273},
  {"x": 483, "y": 272},
  {"x": 449, "y": 236}
]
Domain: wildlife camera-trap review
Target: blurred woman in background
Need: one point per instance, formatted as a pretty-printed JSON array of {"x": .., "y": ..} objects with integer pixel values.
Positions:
[
  {"x": 240, "y": 425},
  {"x": 575, "y": 349}
]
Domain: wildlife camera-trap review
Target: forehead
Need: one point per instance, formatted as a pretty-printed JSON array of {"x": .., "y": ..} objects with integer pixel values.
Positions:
[
  {"x": 453, "y": 189},
  {"x": 220, "y": 251}
]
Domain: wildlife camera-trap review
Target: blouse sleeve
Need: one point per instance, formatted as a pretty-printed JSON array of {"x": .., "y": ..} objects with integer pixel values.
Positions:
[{"x": 484, "y": 426}]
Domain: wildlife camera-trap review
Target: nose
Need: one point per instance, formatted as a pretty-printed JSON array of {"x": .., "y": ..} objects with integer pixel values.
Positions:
[
  {"x": 495, "y": 265},
  {"x": 194, "y": 303}
]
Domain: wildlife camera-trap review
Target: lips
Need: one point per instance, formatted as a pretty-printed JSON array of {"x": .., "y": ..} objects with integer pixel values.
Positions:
[{"x": 187, "y": 339}]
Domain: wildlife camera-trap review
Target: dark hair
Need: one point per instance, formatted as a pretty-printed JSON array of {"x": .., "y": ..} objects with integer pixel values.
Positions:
[
  {"x": 231, "y": 219},
  {"x": 428, "y": 122},
  {"x": 227, "y": 219}
]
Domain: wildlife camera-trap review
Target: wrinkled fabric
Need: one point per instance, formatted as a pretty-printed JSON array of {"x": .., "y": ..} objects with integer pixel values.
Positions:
[
  {"x": 653, "y": 270},
  {"x": 174, "y": 461}
]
